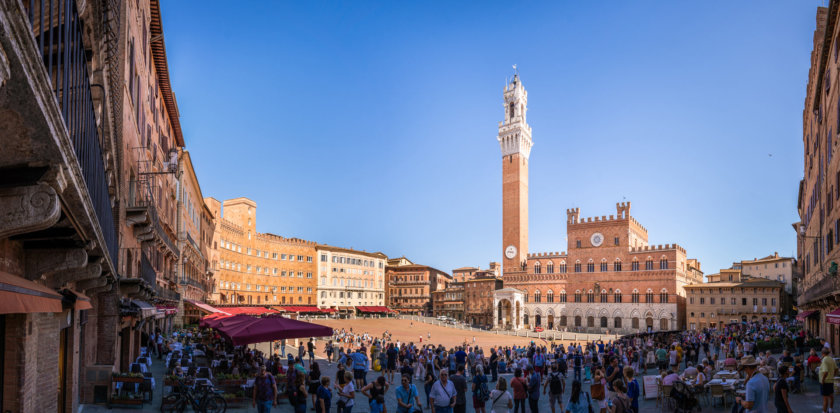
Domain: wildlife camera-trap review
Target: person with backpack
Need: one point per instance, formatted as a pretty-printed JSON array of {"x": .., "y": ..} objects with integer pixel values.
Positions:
[
  {"x": 407, "y": 399},
  {"x": 556, "y": 386},
  {"x": 579, "y": 401},
  {"x": 479, "y": 388}
]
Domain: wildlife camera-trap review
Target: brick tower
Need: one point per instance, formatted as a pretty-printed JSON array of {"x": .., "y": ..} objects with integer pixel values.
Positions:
[{"x": 515, "y": 141}]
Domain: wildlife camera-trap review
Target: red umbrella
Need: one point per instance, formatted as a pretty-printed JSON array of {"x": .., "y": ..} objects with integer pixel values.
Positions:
[
  {"x": 204, "y": 320},
  {"x": 272, "y": 328},
  {"x": 234, "y": 320}
]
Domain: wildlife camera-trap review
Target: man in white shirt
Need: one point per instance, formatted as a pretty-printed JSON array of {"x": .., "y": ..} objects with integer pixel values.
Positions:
[{"x": 442, "y": 395}]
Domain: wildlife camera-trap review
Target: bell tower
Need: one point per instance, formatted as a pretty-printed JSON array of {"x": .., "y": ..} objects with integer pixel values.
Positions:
[{"x": 515, "y": 141}]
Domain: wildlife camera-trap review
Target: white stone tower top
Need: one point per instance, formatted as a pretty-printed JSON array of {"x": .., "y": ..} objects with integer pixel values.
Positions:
[{"x": 514, "y": 132}]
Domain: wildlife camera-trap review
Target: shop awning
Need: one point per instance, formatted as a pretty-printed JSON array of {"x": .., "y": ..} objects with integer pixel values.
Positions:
[
  {"x": 167, "y": 309},
  {"x": 805, "y": 314},
  {"x": 204, "y": 307},
  {"x": 146, "y": 309},
  {"x": 301, "y": 309},
  {"x": 344, "y": 308},
  {"x": 19, "y": 295},
  {"x": 833, "y": 317},
  {"x": 248, "y": 310},
  {"x": 272, "y": 328},
  {"x": 328, "y": 310},
  {"x": 79, "y": 300},
  {"x": 374, "y": 309}
]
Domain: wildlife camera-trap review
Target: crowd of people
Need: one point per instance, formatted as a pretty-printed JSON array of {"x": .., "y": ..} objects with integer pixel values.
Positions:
[{"x": 601, "y": 377}]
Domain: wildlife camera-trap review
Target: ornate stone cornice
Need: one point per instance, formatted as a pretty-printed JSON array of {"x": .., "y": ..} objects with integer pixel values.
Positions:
[{"x": 28, "y": 208}]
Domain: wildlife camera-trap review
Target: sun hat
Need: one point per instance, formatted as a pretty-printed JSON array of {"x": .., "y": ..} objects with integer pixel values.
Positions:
[{"x": 747, "y": 361}]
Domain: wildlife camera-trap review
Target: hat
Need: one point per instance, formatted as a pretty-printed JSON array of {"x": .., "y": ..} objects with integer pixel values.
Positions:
[{"x": 747, "y": 361}]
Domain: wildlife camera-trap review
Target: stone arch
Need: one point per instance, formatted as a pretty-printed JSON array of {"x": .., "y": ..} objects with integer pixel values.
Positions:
[
  {"x": 577, "y": 312},
  {"x": 537, "y": 311},
  {"x": 618, "y": 313},
  {"x": 635, "y": 312}
]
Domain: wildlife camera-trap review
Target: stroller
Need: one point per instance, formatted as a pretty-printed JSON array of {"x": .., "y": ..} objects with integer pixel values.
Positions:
[{"x": 684, "y": 399}]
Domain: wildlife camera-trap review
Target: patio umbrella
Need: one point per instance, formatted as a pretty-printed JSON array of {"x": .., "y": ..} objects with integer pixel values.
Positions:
[
  {"x": 234, "y": 320},
  {"x": 272, "y": 328}
]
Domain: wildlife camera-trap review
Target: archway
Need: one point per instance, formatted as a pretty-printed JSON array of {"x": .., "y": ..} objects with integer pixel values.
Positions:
[
  {"x": 505, "y": 314},
  {"x": 550, "y": 322},
  {"x": 649, "y": 322},
  {"x": 537, "y": 320},
  {"x": 663, "y": 324}
]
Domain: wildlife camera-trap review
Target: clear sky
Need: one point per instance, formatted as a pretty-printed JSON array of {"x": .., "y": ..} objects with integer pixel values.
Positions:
[{"x": 373, "y": 125}]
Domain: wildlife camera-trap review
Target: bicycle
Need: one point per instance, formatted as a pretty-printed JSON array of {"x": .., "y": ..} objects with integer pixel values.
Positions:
[{"x": 208, "y": 400}]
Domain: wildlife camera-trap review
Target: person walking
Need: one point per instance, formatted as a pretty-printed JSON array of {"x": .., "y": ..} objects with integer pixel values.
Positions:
[
  {"x": 375, "y": 392},
  {"x": 265, "y": 392},
  {"x": 633, "y": 389},
  {"x": 299, "y": 395},
  {"x": 310, "y": 348},
  {"x": 314, "y": 382},
  {"x": 346, "y": 394},
  {"x": 555, "y": 386},
  {"x": 534, "y": 390},
  {"x": 407, "y": 398},
  {"x": 619, "y": 402},
  {"x": 781, "y": 391},
  {"x": 442, "y": 397},
  {"x": 579, "y": 401},
  {"x": 828, "y": 369},
  {"x": 519, "y": 386},
  {"x": 479, "y": 388},
  {"x": 323, "y": 396},
  {"x": 460, "y": 383},
  {"x": 500, "y": 399},
  {"x": 757, "y": 389},
  {"x": 428, "y": 382}
]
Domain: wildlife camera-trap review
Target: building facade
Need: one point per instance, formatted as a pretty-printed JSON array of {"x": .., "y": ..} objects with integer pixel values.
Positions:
[
  {"x": 259, "y": 268},
  {"x": 819, "y": 216},
  {"x": 771, "y": 267},
  {"x": 410, "y": 286},
  {"x": 611, "y": 279},
  {"x": 449, "y": 301},
  {"x": 716, "y": 304},
  {"x": 478, "y": 299},
  {"x": 348, "y": 278}
]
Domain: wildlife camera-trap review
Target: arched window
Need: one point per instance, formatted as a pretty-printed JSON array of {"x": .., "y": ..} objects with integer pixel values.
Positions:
[
  {"x": 604, "y": 265},
  {"x": 563, "y": 321},
  {"x": 649, "y": 296},
  {"x": 577, "y": 266},
  {"x": 525, "y": 319},
  {"x": 590, "y": 321},
  {"x": 577, "y": 296},
  {"x": 634, "y": 266},
  {"x": 617, "y": 296},
  {"x": 649, "y": 264},
  {"x": 590, "y": 297},
  {"x": 537, "y": 296},
  {"x": 617, "y": 265},
  {"x": 549, "y": 268},
  {"x": 590, "y": 266},
  {"x": 549, "y": 296},
  {"x": 563, "y": 296},
  {"x": 526, "y": 296},
  {"x": 603, "y": 322},
  {"x": 663, "y": 263},
  {"x": 562, "y": 267},
  {"x": 663, "y": 296},
  {"x": 604, "y": 296},
  {"x": 617, "y": 322},
  {"x": 634, "y": 297},
  {"x": 634, "y": 323},
  {"x": 511, "y": 113},
  {"x": 537, "y": 268},
  {"x": 577, "y": 321}
]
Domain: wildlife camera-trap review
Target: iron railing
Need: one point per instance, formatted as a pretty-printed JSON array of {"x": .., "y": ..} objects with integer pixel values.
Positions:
[
  {"x": 58, "y": 36},
  {"x": 824, "y": 287},
  {"x": 147, "y": 272},
  {"x": 166, "y": 293}
]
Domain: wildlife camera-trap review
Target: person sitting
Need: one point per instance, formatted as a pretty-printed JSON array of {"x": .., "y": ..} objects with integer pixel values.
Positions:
[
  {"x": 670, "y": 378},
  {"x": 176, "y": 370},
  {"x": 690, "y": 372},
  {"x": 730, "y": 363}
]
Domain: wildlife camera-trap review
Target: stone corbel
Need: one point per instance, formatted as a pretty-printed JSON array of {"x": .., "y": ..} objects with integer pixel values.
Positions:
[
  {"x": 59, "y": 279},
  {"x": 92, "y": 283},
  {"x": 91, "y": 292},
  {"x": 28, "y": 208},
  {"x": 130, "y": 289},
  {"x": 40, "y": 264}
]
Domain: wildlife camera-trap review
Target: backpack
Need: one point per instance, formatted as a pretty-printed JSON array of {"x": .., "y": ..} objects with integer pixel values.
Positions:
[
  {"x": 555, "y": 384},
  {"x": 482, "y": 393}
]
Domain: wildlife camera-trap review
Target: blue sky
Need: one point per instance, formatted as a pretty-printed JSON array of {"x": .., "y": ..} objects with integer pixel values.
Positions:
[{"x": 373, "y": 125}]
